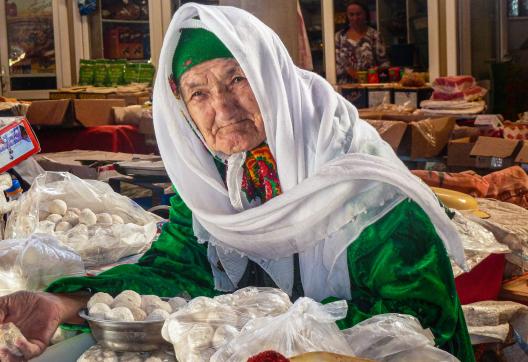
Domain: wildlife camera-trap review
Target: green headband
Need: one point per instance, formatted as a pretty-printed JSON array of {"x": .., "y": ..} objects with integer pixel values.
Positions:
[{"x": 196, "y": 46}]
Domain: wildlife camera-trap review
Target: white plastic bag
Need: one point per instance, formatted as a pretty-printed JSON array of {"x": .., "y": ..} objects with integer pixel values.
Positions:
[
  {"x": 394, "y": 337},
  {"x": 97, "y": 244},
  {"x": 34, "y": 263},
  {"x": 204, "y": 325},
  {"x": 307, "y": 326}
]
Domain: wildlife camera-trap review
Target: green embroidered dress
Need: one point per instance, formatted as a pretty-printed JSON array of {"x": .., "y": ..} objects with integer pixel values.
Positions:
[{"x": 398, "y": 265}]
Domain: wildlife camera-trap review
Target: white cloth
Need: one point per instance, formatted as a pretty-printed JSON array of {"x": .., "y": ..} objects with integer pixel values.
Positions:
[{"x": 336, "y": 174}]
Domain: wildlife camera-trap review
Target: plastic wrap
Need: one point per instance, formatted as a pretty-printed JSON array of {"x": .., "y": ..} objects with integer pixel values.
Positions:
[
  {"x": 307, "y": 326},
  {"x": 478, "y": 242},
  {"x": 488, "y": 321},
  {"x": 394, "y": 337},
  {"x": 98, "y": 353},
  {"x": 508, "y": 230},
  {"x": 204, "y": 325},
  {"x": 34, "y": 263},
  {"x": 97, "y": 243}
]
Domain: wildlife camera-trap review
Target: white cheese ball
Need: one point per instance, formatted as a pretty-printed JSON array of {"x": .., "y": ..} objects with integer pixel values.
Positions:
[
  {"x": 123, "y": 303},
  {"x": 149, "y": 299},
  {"x": 43, "y": 215},
  {"x": 120, "y": 314},
  {"x": 104, "y": 218},
  {"x": 224, "y": 334},
  {"x": 100, "y": 297},
  {"x": 99, "y": 310},
  {"x": 71, "y": 217},
  {"x": 129, "y": 297},
  {"x": 177, "y": 303},
  {"x": 138, "y": 313},
  {"x": 158, "y": 305},
  {"x": 63, "y": 226},
  {"x": 58, "y": 207},
  {"x": 87, "y": 217},
  {"x": 157, "y": 315},
  {"x": 55, "y": 218},
  {"x": 116, "y": 219},
  {"x": 200, "y": 336}
]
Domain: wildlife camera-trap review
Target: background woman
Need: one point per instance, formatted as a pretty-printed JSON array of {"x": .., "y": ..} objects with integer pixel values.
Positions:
[{"x": 358, "y": 46}]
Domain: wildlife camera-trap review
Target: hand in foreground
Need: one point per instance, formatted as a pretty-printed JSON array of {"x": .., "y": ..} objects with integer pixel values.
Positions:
[{"x": 37, "y": 315}]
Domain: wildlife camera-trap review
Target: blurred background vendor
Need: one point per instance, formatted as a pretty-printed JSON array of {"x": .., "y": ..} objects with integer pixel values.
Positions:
[{"x": 358, "y": 45}]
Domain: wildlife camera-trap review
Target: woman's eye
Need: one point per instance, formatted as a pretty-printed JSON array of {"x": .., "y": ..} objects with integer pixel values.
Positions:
[
  {"x": 197, "y": 94},
  {"x": 239, "y": 79}
]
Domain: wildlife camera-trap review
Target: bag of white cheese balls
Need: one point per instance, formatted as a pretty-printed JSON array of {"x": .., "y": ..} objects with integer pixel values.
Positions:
[
  {"x": 33, "y": 263},
  {"x": 98, "y": 353},
  {"x": 86, "y": 215},
  {"x": 199, "y": 329}
]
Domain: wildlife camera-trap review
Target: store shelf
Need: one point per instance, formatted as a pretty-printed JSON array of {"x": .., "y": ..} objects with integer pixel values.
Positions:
[
  {"x": 117, "y": 21},
  {"x": 518, "y": 18},
  {"x": 32, "y": 75}
]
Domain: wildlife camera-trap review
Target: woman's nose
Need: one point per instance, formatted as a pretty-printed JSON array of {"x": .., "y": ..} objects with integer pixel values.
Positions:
[{"x": 226, "y": 107}]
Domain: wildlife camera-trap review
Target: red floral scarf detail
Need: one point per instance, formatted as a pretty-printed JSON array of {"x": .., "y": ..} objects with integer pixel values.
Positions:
[{"x": 260, "y": 178}]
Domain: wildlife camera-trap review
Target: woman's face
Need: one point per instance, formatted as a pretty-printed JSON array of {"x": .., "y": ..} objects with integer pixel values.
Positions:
[
  {"x": 356, "y": 16},
  {"x": 223, "y": 106}
]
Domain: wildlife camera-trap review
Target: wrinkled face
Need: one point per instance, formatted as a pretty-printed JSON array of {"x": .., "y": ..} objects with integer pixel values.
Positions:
[
  {"x": 356, "y": 16},
  {"x": 223, "y": 106}
]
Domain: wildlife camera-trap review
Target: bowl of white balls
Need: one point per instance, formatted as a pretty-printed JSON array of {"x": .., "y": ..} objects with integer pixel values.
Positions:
[{"x": 130, "y": 321}]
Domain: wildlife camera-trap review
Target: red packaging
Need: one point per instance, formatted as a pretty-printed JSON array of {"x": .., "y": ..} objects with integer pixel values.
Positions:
[
  {"x": 373, "y": 76},
  {"x": 394, "y": 74}
]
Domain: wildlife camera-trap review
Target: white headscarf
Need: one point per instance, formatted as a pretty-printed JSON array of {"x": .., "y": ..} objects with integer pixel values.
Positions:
[{"x": 337, "y": 175}]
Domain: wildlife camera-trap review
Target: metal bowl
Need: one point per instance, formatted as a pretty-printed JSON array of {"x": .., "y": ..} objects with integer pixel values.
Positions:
[{"x": 140, "y": 336}]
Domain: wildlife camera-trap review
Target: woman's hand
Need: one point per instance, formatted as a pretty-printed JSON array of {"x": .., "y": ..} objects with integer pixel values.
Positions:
[{"x": 37, "y": 315}]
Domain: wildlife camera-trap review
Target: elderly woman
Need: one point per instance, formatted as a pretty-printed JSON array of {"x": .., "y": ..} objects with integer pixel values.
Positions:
[{"x": 279, "y": 184}]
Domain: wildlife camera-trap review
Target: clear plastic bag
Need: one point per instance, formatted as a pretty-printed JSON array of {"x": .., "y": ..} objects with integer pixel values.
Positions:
[
  {"x": 394, "y": 337},
  {"x": 97, "y": 244},
  {"x": 478, "y": 242},
  {"x": 34, "y": 263},
  {"x": 99, "y": 353},
  {"x": 307, "y": 326},
  {"x": 204, "y": 325}
]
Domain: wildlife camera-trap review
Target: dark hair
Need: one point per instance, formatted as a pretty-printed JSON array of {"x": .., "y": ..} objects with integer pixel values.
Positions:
[{"x": 363, "y": 6}]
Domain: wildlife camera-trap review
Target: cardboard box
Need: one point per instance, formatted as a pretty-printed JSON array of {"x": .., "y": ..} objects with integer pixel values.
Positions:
[
  {"x": 96, "y": 112},
  {"x": 522, "y": 156},
  {"x": 426, "y": 138},
  {"x": 390, "y": 131},
  {"x": 484, "y": 153},
  {"x": 373, "y": 113},
  {"x": 494, "y": 153},
  {"x": 49, "y": 112},
  {"x": 130, "y": 98},
  {"x": 86, "y": 164},
  {"x": 95, "y": 95},
  {"x": 63, "y": 95}
]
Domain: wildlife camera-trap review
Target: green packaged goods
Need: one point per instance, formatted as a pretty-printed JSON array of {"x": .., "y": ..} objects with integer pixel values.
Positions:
[
  {"x": 146, "y": 73},
  {"x": 116, "y": 72},
  {"x": 132, "y": 73},
  {"x": 86, "y": 72},
  {"x": 101, "y": 74}
]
